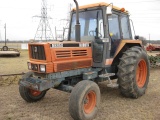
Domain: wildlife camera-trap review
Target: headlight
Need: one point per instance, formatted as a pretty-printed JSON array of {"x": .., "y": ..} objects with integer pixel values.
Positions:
[
  {"x": 42, "y": 68},
  {"x": 29, "y": 66}
]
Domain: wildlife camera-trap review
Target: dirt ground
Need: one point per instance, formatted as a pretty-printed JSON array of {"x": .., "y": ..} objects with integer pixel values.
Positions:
[{"x": 55, "y": 104}]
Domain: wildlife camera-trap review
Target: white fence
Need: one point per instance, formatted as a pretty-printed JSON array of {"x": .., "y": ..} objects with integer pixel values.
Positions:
[{"x": 24, "y": 46}]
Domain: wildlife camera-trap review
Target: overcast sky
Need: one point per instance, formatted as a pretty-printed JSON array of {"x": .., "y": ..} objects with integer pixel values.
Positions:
[{"x": 21, "y": 25}]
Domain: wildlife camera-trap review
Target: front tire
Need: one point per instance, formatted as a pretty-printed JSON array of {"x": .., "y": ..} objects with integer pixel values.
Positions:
[
  {"x": 133, "y": 72},
  {"x": 84, "y": 100},
  {"x": 28, "y": 94}
]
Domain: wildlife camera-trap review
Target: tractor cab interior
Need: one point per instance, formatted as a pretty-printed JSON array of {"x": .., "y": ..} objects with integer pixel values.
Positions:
[{"x": 91, "y": 22}]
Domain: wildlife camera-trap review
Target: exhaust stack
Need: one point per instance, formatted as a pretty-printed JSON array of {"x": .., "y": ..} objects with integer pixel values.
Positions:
[{"x": 77, "y": 26}]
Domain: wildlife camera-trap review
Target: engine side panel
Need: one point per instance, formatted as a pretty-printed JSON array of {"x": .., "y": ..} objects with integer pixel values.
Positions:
[{"x": 71, "y": 58}]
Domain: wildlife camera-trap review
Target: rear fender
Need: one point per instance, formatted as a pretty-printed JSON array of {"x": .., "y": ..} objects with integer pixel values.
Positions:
[{"x": 123, "y": 46}]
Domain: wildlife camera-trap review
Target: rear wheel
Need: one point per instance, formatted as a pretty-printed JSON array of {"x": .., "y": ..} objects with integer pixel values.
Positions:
[
  {"x": 133, "y": 72},
  {"x": 28, "y": 94},
  {"x": 84, "y": 100}
]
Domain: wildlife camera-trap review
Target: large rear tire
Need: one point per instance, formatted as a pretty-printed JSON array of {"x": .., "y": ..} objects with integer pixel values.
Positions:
[
  {"x": 133, "y": 72},
  {"x": 30, "y": 95},
  {"x": 84, "y": 100}
]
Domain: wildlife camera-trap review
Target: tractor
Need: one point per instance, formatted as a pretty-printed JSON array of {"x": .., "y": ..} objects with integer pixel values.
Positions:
[{"x": 99, "y": 47}]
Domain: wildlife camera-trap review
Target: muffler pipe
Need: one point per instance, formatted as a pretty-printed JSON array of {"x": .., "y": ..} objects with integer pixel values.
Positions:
[{"x": 77, "y": 26}]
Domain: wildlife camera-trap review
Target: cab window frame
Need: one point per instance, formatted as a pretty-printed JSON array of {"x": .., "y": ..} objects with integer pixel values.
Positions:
[
  {"x": 119, "y": 25},
  {"x": 129, "y": 27},
  {"x": 84, "y": 10}
]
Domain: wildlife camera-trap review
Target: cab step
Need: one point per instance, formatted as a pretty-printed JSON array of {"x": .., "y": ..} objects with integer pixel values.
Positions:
[
  {"x": 106, "y": 75},
  {"x": 110, "y": 83}
]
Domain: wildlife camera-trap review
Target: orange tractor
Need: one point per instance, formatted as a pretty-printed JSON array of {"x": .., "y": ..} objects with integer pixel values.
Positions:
[{"x": 99, "y": 48}]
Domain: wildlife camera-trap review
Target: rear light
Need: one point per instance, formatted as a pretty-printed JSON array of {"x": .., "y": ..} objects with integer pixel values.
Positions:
[
  {"x": 42, "y": 68},
  {"x": 29, "y": 65}
]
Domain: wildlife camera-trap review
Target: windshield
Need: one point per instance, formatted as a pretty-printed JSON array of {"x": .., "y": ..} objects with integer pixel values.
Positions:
[{"x": 91, "y": 25}]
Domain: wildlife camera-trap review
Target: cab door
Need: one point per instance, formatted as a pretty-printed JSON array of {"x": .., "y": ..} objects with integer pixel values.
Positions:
[
  {"x": 119, "y": 29},
  {"x": 114, "y": 32}
]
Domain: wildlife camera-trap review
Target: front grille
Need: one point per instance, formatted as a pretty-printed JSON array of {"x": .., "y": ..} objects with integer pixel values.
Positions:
[
  {"x": 79, "y": 53},
  {"x": 69, "y": 53},
  {"x": 63, "y": 54},
  {"x": 37, "y": 52},
  {"x": 73, "y": 65}
]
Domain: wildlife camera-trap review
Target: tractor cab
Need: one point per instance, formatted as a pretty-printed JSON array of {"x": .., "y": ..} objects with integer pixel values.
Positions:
[{"x": 105, "y": 26}]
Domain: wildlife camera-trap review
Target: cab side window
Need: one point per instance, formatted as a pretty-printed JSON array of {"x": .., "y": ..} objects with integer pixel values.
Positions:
[
  {"x": 125, "y": 27},
  {"x": 114, "y": 26},
  {"x": 114, "y": 32}
]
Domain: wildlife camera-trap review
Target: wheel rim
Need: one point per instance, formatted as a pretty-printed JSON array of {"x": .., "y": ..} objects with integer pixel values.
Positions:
[
  {"x": 141, "y": 73},
  {"x": 34, "y": 92},
  {"x": 89, "y": 102}
]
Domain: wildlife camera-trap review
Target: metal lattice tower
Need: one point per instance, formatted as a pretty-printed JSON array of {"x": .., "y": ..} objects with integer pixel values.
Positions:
[
  {"x": 44, "y": 31},
  {"x": 62, "y": 31}
]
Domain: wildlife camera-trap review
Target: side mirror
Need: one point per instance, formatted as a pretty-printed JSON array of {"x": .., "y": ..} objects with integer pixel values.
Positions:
[
  {"x": 136, "y": 37},
  {"x": 109, "y": 10}
]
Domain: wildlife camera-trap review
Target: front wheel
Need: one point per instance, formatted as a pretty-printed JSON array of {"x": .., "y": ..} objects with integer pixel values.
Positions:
[
  {"x": 28, "y": 94},
  {"x": 84, "y": 100},
  {"x": 133, "y": 72}
]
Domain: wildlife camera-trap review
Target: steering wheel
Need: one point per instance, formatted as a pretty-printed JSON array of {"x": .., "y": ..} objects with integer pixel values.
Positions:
[{"x": 93, "y": 33}]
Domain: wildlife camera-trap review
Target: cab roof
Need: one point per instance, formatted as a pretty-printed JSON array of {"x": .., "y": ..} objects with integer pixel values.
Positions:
[{"x": 100, "y": 4}]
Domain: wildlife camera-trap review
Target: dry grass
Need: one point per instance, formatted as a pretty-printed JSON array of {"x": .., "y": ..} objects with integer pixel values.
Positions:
[
  {"x": 10, "y": 64},
  {"x": 55, "y": 104},
  {"x": 153, "y": 53}
]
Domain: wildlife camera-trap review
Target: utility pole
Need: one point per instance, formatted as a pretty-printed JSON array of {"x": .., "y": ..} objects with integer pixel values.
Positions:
[
  {"x": 0, "y": 32},
  {"x": 149, "y": 39},
  {"x": 5, "y": 33},
  {"x": 44, "y": 30}
]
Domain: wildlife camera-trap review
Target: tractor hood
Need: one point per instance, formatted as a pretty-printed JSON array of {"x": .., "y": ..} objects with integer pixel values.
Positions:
[{"x": 60, "y": 56}]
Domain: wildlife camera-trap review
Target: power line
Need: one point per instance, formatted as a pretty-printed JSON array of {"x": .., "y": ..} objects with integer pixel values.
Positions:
[
  {"x": 146, "y": 18},
  {"x": 18, "y": 8},
  {"x": 148, "y": 10},
  {"x": 145, "y": 13},
  {"x": 140, "y": 1},
  {"x": 44, "y": 30}
]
